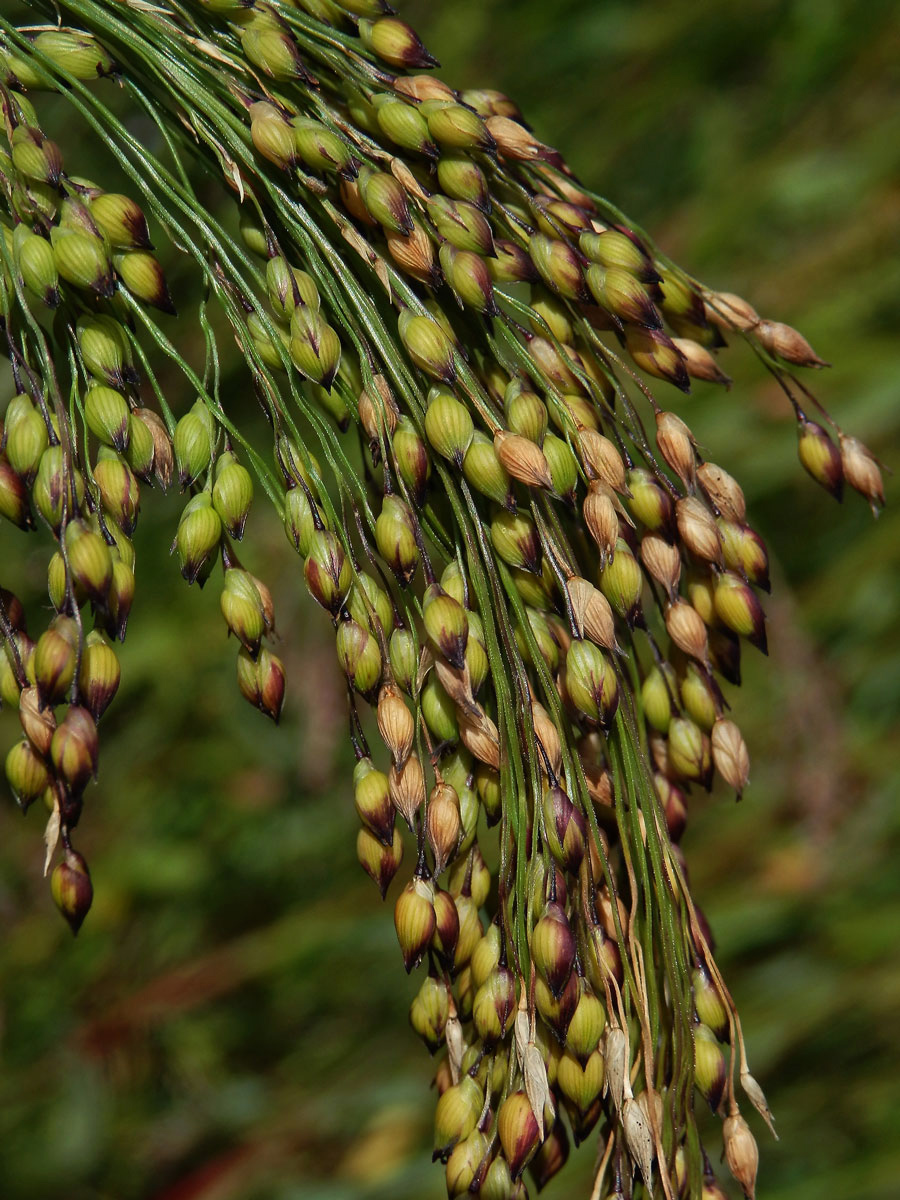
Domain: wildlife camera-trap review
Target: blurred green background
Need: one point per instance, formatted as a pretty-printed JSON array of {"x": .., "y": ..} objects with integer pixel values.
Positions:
[{"x": 231, "y": 1022}]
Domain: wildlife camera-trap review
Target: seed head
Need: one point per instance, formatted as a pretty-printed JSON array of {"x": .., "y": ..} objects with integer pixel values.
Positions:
[
  {"x": 708, "y": 1003},
  {"x": 243, "y": 609},
  {"x": 442, "y": 825},
  {"x": 586, "y": 1028},
  {"x": 107, "y": 415},
  {"x": 98, "y": 675},
  {"x": 380, "y": 862},
  {"x": 232, "y": 494},
  {"x": 580, "y": 1084},
  {"x": 120, "y": 598},
  {"x": 105, "y": 349},
  {"x": 197, "y": 538},
  {"x": 315, "y": 347},
  {"x": 621, "y": 583},
  {"x": 143, "y": 276},
  {"x": 623, "y": 295},
  {"x": 163, "y": 456},
  {"x": 70, "y": 886},
  {"x": 73, "y": 748},
  {"x": 26, "y": 773},
  {"x": 565, "y": 827},
  {"x": 689, "y": 752},
  {"x": 53, "y": 663},
  {"x": 553, "y": 948},
  {"x": 512, "y": 263},
  {"x": 462, "y": 179},
  {"x": 262, "y": 681},
  {"x": 745, "y": 552},
  {"x": 121, "y": 221},
  {"x": 820, "y": 457},
  {"x": 404, "y": 125},
  {"x": 396, "y": 539},
  {"x": 428, "y": 346},
  {"x": 470, "y": 277},
  {"x": 657, "y": 694},
  {"x": 654, "y": 352},
  {"x": 359, "y": 657},
  {"x": 739, "y": 609},
  {"x": 519, "y": 1131},
  {"x": 38, "y": 268},
  {"x": 404, "y": 659},
  {"x": 120, "y": 493},
  {"x": 35, "y": 156},
  {"x": 484, "y": 471},
  {"x": 273, "y": 50},
  {"x": 462, "y": 224},
  {"x": 429, "y": 1011},
  {"x": 456, "y": 1115},
  {"x": 14, "y": 504},
  {"x": 82, "y": 260},
  {"x": 327, "y": 571},
  {"x": 709, "y": 1066},
  {"x": 26, "y": 441},
  {"x": 455, "y": 127},
  {"x": 38, "y": 723},
  {"x": 559, "y": 265},
  {"x": 414, "y": 921},
  {"x": 448, "y": 425},
  {"x": 700, "y": 696},
  {"x": 411, "y": 458},
  {"x": 479, "y": 735},
  {"x": 395, "y": 43}
]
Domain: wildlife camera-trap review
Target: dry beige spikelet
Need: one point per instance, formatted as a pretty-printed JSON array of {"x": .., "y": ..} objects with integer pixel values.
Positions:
[
  {"x": 729, "y": 751},
  {"x": 523, "y": 459},
  {"x": 741, "y": 1153},
  {"x": 548, "y": 735},
  {"x": 442, "y": 824},
  {"x": 514, "y": 141},
  {"x": 378, "y": 411},
  {"x": 663, "y": 561},
  {"x": 407, "y": 788},
  {"x": 676, "y": 445},
  {"x": 699, "y": 362},
  {"x": 601, "y": 519},
  {"x": 698, "y": 530},
  {"x": 685, "y": 627},
  {"x": 722, "y": 491},
  {"x": 479, "y": 735},
  {"x": 602, "y": 460},
  {"x": 785, "y": 342},
  {"x": 729, "y": 311},
  {"x": 395, "y": 724},
  {"x": 616, "y": 1055},
  {"x": 592, "y": 612}
]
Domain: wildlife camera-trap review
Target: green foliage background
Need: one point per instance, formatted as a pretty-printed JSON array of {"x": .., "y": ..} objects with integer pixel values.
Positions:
[{"x": 231, "y": 1022}]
